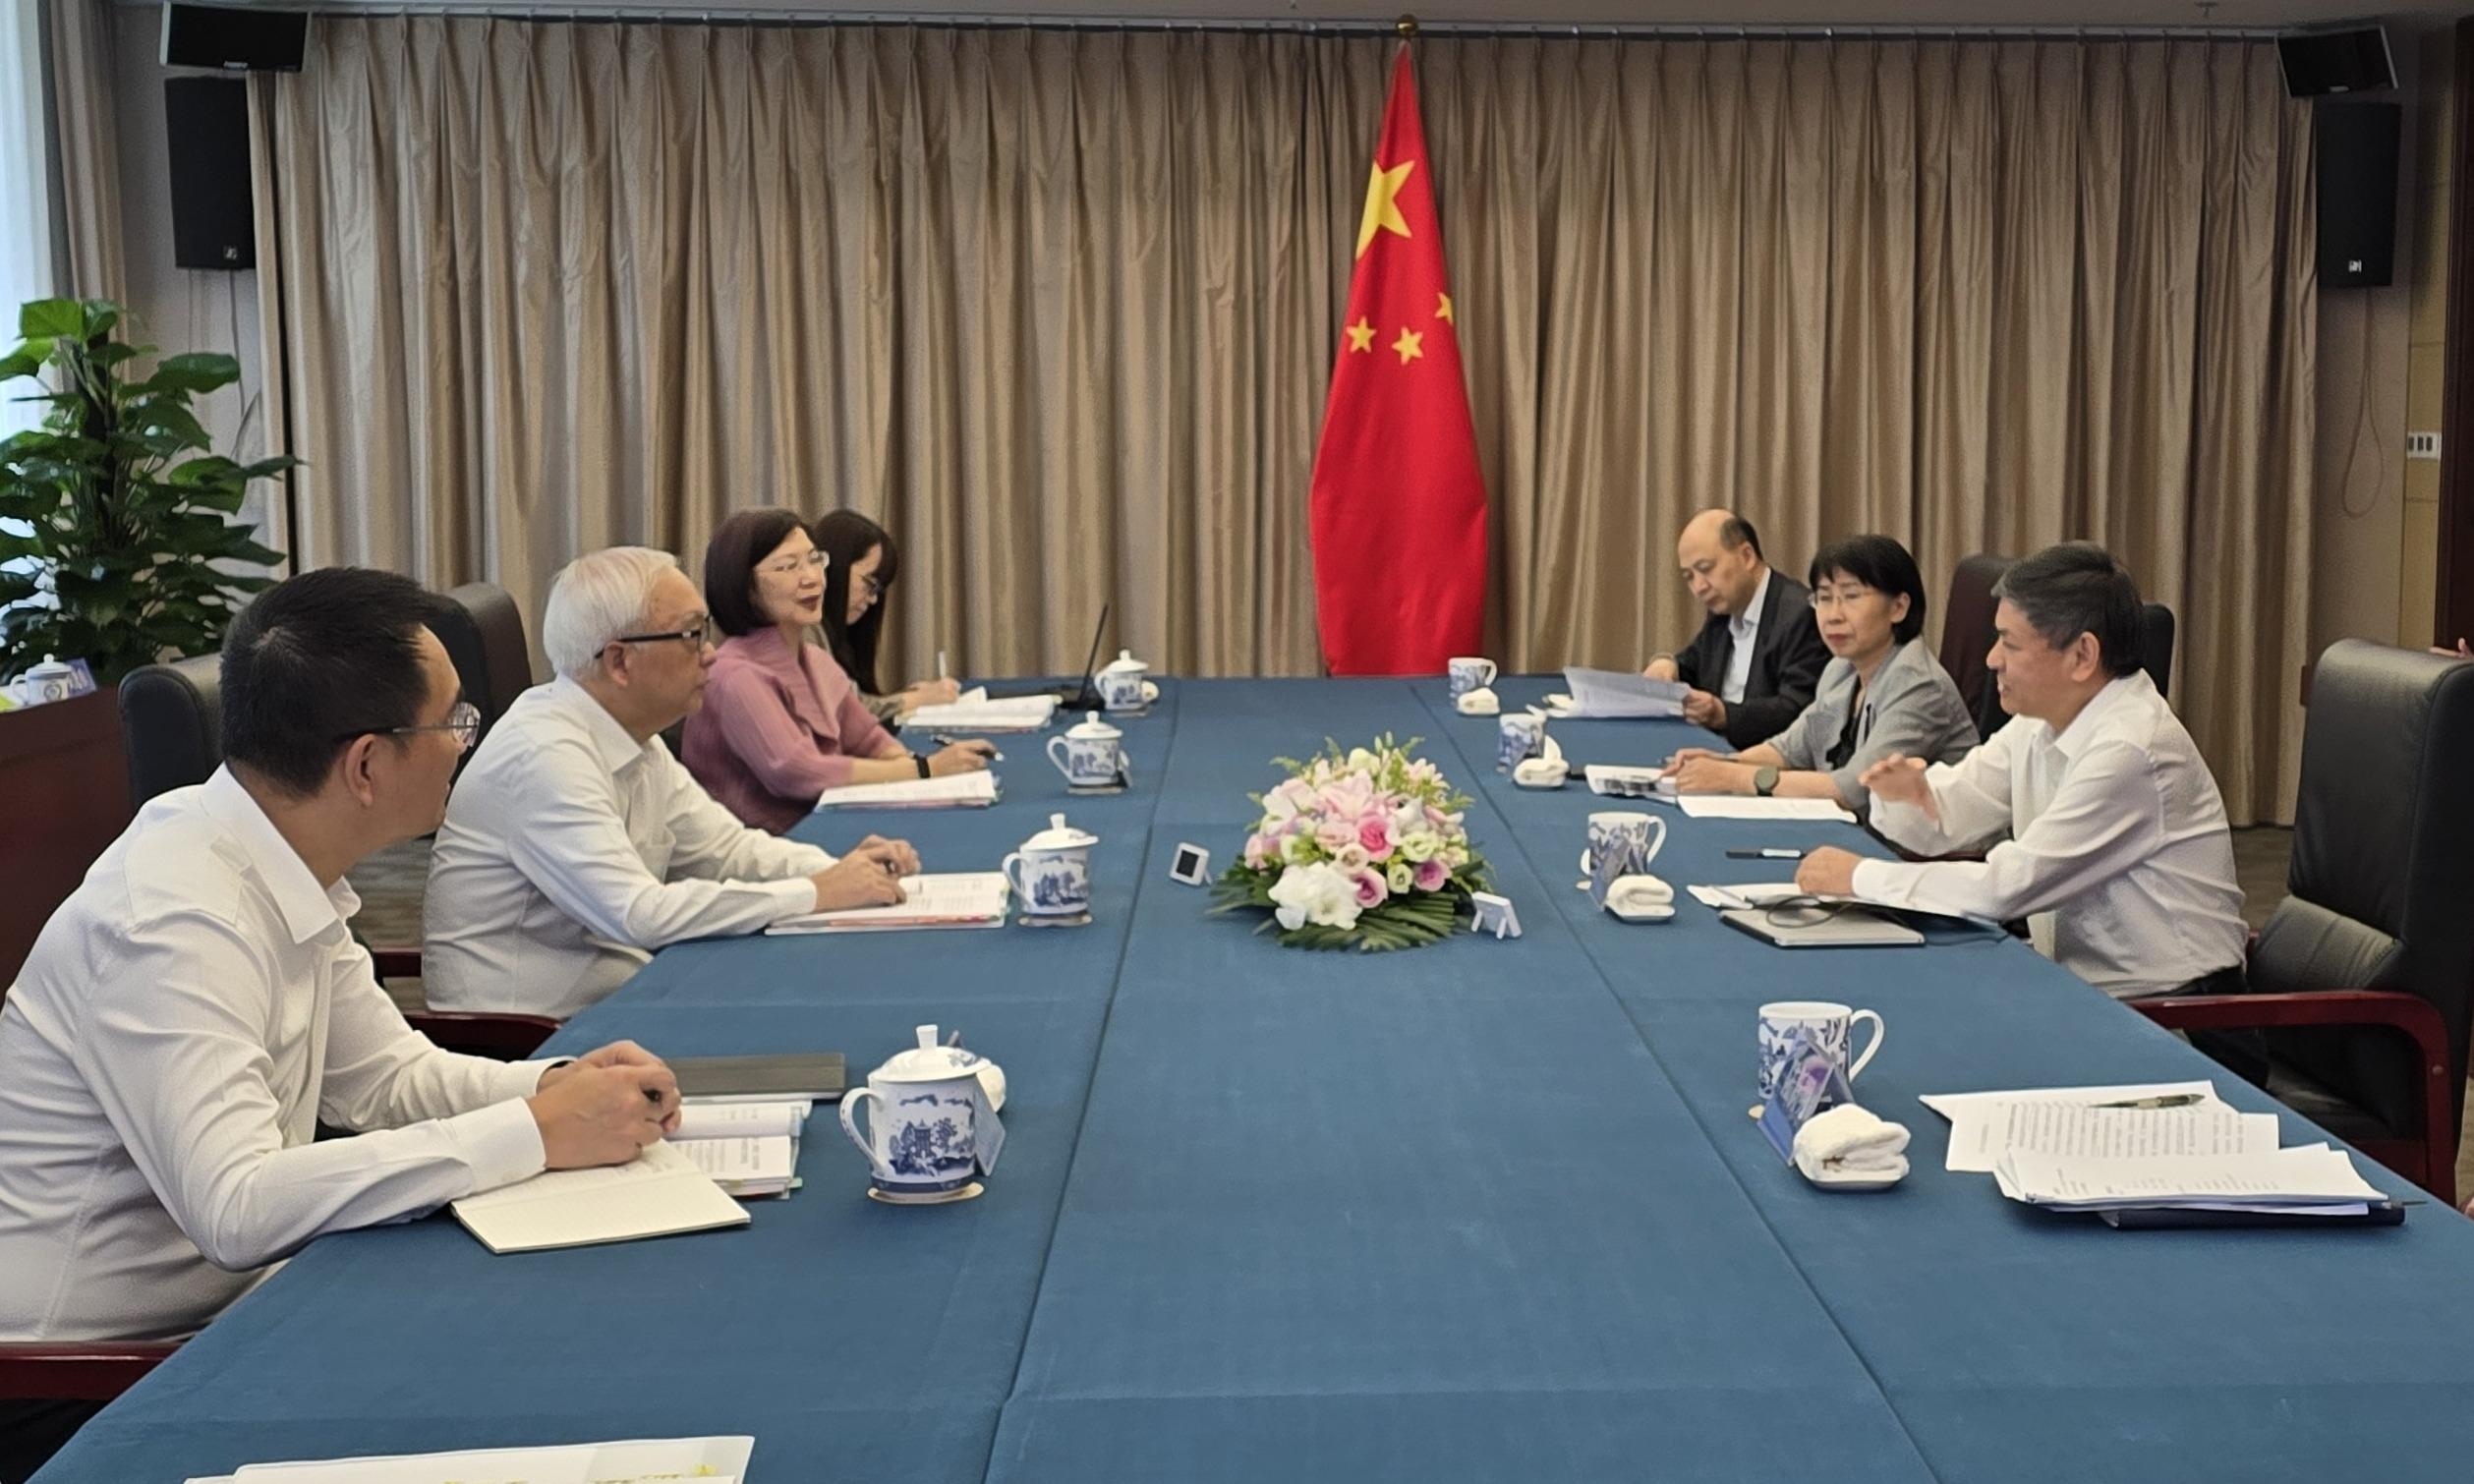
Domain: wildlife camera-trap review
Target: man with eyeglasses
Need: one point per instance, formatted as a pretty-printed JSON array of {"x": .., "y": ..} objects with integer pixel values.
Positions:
[
  {"x": 576, "y": 844},
  {"x": 199, "y": 1006}
]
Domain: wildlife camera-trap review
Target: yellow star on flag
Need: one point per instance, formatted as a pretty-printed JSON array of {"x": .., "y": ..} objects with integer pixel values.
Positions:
[
  {"x": 1382, "y": 209},
  {"x": 1443, "y": 307},
  {"x": 1409, "y": 345},
  {"x": 1361, "y": 335}
]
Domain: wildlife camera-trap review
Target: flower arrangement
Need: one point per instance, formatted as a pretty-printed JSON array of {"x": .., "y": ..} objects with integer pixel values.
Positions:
[{"x": 1360, "y": 849}]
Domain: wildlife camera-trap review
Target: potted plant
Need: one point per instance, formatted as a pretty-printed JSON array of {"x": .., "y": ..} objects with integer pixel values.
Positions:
[{"x": 114, "y": 542}]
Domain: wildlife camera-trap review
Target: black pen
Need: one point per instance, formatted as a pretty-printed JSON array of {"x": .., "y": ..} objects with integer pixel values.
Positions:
[
  {"x": 941, "y": 740},
  {"x": 1765, "y": 853}
]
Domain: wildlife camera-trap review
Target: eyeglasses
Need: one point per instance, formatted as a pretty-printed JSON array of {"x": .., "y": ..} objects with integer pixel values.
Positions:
[
  {"x": 464, "y": 721},
  {"x": 694, "y": 634},
  {"x": 875, "y": 586},
  {"x": 791, "y": 566}
]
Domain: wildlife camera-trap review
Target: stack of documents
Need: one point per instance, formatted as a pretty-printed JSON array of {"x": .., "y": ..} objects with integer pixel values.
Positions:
[
  {"x": 1617, "y": 782},
  {"x": 961, "y": 790},
  {"x": 751, "y": 1150},
  {"x": 710, "y": 1460},
  {"x": 2313, "y": 1180},
  {"x": 2168, "y": 1146},
  {"x": 961, "y": 900},
  {"x": 975, "y": 713},
  {"x": 1620, "y": 693},
  {"x": 659, "y": 1193}
]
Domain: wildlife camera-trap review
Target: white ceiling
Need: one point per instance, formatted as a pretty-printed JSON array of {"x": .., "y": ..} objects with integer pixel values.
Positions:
[{"x": 1713, "y": 13}]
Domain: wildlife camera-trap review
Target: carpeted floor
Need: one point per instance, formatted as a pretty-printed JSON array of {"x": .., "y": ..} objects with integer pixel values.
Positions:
[{"x": 390, "y": 885}]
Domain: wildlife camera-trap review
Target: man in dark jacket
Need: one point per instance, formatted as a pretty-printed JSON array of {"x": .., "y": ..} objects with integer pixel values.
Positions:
[{"x": 1757, "y": 660}]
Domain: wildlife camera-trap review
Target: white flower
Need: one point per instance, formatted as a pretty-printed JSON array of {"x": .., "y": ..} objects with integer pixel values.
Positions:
[
  {"x": 1400, "y": 877},
  {"x": 1422, "y": 846},
  {"x": 1361, "y": 760},
  {"x": 1297, "y": 849},
  {"x": 1407, "y": 816},
  {"x": 1350, "y": 857},
  {"x": 1321, "y": 895}
]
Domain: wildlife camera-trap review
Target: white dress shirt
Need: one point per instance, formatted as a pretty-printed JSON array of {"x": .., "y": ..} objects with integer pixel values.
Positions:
[
  {"x": 185, "y": 1021},
  {"x": 2120, "y": 858},
  {"x": 1744, "y": 630},
  {"x": 571, "y": 851}
]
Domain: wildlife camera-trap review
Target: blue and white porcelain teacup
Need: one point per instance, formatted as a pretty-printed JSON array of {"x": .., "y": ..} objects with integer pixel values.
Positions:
[
  {"x": 934, "y": 1128},
  {"x": 1828, "y": 1026},
  {"x": 1091, "y": 754},
  {"x": 1051, "y": 873},
  {"x": 1621, "y": 842},
  {"x": 1469, "y": 672},
  {"x": 1122, "y": 686},
  {"x": 1519, "y": 735}
]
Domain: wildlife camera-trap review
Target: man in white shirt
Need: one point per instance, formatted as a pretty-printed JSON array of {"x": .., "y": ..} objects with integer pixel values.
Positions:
[
  {"x": 576, "y": 844},
  {"x": 2118, "y": 854},
  {"x": 197, "y": 1008}
]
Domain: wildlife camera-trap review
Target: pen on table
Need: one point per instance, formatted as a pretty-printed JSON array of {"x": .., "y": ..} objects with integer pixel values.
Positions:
[
  {"x": 2168, "y": 1100},
  {"x": 941, "y": 740},
  {"x": 1765, "y": 853}
]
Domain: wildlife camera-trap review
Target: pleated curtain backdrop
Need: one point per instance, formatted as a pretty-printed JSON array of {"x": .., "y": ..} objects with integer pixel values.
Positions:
[{"x": 1059, "y": 306}]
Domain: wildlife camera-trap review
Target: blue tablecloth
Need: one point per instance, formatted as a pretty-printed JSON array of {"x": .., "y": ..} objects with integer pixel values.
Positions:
[{"x": 1479, "y": 1210}]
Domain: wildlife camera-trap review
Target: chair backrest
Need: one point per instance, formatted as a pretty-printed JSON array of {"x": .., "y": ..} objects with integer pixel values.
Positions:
[
  {"x": 2382, "y": 883},
  {"x": 171, "y": 723},
  {"x": 1967, "y": 632},
  {"x": 2155, "y": 647},
  {"x": 483, "y": 635}
]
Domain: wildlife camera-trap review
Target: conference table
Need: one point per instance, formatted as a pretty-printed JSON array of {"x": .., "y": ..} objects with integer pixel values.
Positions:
[{"x": 1483, "y": 1210}]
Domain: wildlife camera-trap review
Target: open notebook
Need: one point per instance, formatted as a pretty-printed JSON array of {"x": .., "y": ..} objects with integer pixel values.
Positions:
[
  {"x": 709, "y": 1460},
  {"x": 659, "y": 1193},
  {"x": 975, "y": 711},
  {"x": 961, "y": 790},
  {"x": 960, "y": 899}
]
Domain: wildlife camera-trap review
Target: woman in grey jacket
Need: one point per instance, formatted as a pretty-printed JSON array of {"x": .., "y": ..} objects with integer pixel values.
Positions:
[{"x": 1882, "y": 692}]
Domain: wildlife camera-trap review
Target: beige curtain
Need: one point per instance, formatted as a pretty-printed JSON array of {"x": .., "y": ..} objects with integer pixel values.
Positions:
[
  {"x": 84, "y": 111},
  {"x": 1059, "y": 306}
]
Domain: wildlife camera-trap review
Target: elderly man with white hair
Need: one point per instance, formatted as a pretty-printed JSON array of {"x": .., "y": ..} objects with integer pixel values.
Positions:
[{"x": 575, "y": 844}]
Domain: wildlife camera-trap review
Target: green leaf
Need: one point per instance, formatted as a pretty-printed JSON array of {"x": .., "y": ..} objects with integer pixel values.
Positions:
[
  {"x": 201, "y": 372},
  {"x": 21, "y": 362},
  {"x": 50, "y": 319},
  {"x": 267, "y": 468}
]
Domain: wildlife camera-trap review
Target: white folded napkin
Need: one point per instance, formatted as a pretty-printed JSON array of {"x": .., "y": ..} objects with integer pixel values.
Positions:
[
  {"x": 1541, "y": 772},
  {"x": 1637, "y": 893},
  {"x": 1849, "y": 1145},
  {"x": 1481, "y": 701}
]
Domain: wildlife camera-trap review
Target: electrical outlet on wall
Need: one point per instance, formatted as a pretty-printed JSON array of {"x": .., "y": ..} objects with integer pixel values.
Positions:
[{"x": 2422, "y": 446}]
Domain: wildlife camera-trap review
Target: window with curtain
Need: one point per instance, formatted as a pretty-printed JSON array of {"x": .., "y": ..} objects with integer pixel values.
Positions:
[{"x": 26, "y": 250}]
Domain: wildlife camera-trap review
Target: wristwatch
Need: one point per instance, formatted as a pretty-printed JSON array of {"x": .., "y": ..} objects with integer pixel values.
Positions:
[
  {"x": 922, "y": 761},
  {"x": 1765, "y": 780}
]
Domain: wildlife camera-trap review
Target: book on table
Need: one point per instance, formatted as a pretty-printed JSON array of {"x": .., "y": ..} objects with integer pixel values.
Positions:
[
  {"x": 960, "y": 899},
  {"x": 642, "y": 1460},
  {"x": 975, "y": 711},
  {"x": 961, "y": 790},
  {"x": 659, "y": 1193},
  {"x": 815, "y": 1076},
  {"x": 751, "y": 1150}
]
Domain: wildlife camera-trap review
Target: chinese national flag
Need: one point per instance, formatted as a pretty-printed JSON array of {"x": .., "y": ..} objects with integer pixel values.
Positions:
[{"x": 1400, "y": 511}]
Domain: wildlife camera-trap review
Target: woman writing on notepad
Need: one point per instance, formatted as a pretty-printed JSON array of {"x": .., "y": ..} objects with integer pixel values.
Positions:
[
  {"x": 1882, "y": 692},
  {"x": 782, "y": 721},
  {"x": 861, "y": 562}
]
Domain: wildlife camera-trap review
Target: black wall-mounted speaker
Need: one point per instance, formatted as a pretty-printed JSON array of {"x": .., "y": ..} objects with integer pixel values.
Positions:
[
  {"x": 205, "y": 121},
  {"x": 2319, "y": 62},
  {"x": 2356, "y": 160},
  {"x": 232, "y": 39}
]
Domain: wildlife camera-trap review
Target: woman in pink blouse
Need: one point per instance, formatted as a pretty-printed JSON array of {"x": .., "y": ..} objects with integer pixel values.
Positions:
[{"x": 781, "y": 722}]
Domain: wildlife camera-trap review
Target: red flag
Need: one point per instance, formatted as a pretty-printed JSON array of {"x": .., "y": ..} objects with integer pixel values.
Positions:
[{"x": 1400, "y": 509}]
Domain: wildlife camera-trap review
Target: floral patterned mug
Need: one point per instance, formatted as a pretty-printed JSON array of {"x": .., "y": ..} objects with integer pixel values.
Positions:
[{"x": 934, "y": 1128}]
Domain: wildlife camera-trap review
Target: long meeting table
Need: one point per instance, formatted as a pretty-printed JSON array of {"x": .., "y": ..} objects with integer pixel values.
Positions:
[{"x": 1479, "y": 1211}]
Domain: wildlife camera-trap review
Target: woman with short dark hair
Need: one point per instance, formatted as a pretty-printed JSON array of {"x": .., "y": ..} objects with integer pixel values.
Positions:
[
  {"x": 1884, "y": 692},
  {"x": 861, "y": 563},
  {"x": 782, "y": 721}
]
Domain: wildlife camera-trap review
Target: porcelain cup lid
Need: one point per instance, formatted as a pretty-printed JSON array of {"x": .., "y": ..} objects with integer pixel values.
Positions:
[
  {"x": 929, "y": 1062},
  {"x": 1124, "y": 664},
  {"x": 1060, "y": 835}
]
